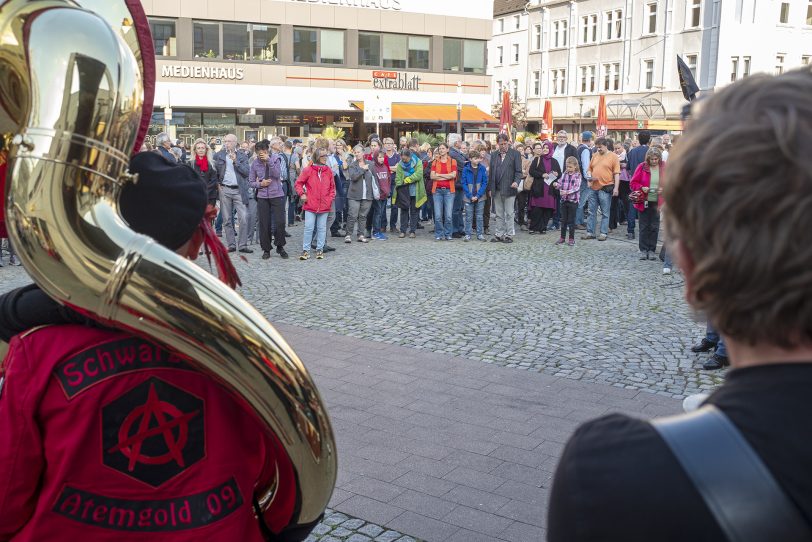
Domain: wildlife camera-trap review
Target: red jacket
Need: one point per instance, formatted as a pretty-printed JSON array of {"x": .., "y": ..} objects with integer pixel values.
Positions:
[
  {"x": 318, "y": 182},
  {"x": 104, "y": 436},
  {"x": 641, "y": 178}
]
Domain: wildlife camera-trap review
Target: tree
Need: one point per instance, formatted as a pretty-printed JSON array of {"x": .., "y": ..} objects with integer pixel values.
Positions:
[{"x": 518, "y": 111}]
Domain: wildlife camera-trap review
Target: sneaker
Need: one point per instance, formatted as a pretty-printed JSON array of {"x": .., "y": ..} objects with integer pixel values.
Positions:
[
  {"x": 305, "y": 255},
  {"x": 571, "y": 242},
  {"x": 560, "y": 241},
  {"x": 487, "y": 231},
  {"x": 282, "y": 254},
  {"x": 602, "y": 237},
  {"x": 630, "y": 235},
  {"x": 319, "y": 255},
  {"x": 467, "y": 238},
  {"x": 288, "y": 234},
  {"x": 232, "y": 249},
  {"x": 507, "y": 239},
  {"x": 402, "y": 235},
  {"x": 716, "y": 362},
  {"x": 580, "y": 227},
  {"x": 704, "y": 346},
  {"x": 362, "y": 239},
  {"x": 480, "y": 238},
  {"x": 266, "y": 255},
  {"x": 643, "y": 256},
  {"x": 371, "y": 235},
  {"x": 335, "y": 234},
  {"x": 348, "y": 239},
  {"x": 438, "y": 238},
  {"x": 531, "y": 232},
  {"x": 412, "y": 235},
  {"x": 328, "y": 248},
  {"x": 382, "y": 237},
  {"x": 449, "y": 238},
  {"x": 246, "y": 250},
  {"x": 523, "y": 227},
  {"x": 666, "y": 270},
  {"x": 496, "y": 239},
  {"x": 587, "y": 236}
]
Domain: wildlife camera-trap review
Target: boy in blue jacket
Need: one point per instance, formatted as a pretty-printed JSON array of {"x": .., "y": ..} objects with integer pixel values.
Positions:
[{"x": 474, "y": 188}]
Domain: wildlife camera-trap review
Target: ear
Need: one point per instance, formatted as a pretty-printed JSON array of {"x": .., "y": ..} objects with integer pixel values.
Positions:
[{"x": 686, "y": 262}]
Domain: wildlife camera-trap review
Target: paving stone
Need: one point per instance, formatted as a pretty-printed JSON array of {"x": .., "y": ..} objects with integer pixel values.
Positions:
[
  {"x": 371, "y": 530},
  {"x": 353, "y": 524}
]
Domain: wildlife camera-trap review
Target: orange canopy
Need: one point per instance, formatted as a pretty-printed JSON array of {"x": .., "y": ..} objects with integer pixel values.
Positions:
[{"x": 405, "y": 112}]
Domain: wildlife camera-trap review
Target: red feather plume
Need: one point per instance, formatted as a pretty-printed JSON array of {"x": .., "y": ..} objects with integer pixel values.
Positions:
[{"x": 214, "y": 247}]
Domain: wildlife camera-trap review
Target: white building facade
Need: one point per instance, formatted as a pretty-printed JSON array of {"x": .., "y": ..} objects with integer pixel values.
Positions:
[
  {"x": 508, "y": 53},
  {"x": 627, "y": 50}
]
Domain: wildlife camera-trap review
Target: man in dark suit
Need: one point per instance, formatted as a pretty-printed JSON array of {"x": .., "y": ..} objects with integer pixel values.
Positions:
[{"x": 505, "y": 176}]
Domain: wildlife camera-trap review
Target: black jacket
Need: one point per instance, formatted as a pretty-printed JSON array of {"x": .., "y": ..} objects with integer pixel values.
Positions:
[
  {"x": 617, "y": 479},
  {"x": 537, "y": 171},
  {"x": 210, "y": 178},
  {"x": 501, "y": 175},
  {"x": 241, "y": 167}
]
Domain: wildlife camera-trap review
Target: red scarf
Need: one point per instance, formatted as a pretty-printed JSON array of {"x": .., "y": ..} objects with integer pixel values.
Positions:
[{"x": 202, "y": 163}]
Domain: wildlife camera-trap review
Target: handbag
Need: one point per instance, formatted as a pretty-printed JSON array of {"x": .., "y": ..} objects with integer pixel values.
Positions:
[{"x": 637, "y": 197}]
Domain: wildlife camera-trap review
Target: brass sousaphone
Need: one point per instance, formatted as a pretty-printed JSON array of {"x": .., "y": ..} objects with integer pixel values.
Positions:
[{"x": 74, "y": 79}]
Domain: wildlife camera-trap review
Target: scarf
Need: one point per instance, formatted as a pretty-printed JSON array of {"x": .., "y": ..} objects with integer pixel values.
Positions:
[
  {"x": 547, "y": 159},
  {"x": 202, "y": 163},
  {"x": 408, "y": 171}
]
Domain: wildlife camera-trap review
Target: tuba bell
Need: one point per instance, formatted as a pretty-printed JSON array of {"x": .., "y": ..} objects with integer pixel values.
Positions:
[{"x": 72, "y": 108}]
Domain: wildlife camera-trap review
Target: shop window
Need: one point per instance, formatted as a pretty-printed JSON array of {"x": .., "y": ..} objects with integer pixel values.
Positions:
[
  {"x": 265, "y": 43},
  {"x": 207, "y": 40},
  {"x": 236, "y": 41},
  {"x": 393, "y": 51},
  {"x": 163, "y": 37},
  {"x": 463, "y": 55},
  {"x": 313, "y": 46}
]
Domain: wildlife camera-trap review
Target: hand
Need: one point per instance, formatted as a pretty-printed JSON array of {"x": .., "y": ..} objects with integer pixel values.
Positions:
[
  {"x": 555, "y": 185},
  {"x": 265, "y": 183},
  {"x": 546, "y": 175},
  {"x": 644, "y": 190},
  {"x": 615, "y": 192},
  {"x": 303, "y": 198},
  {"x": 232, "y": 155},
  {"x": 474, "y": 199},
  {"x": 514, "y": 186}
]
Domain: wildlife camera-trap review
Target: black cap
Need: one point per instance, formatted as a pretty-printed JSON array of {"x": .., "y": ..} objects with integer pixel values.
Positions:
[{"x": 168, "y": 201}]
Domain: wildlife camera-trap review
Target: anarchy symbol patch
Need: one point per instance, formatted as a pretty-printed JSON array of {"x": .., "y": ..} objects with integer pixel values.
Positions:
[{"x": 153, "y": 432}]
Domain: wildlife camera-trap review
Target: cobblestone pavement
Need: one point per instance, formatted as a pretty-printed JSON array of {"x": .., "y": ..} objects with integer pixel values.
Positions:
[
  {"x": 338, "y": 527},
  {"x": 592, "y": 312}
]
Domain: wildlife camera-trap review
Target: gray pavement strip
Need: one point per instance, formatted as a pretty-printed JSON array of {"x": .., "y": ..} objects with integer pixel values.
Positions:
[{"x": 342, "y": 528}]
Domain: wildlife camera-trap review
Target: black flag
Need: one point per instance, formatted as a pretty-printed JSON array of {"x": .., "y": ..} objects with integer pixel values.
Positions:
[{"x": 686, "y": 80}]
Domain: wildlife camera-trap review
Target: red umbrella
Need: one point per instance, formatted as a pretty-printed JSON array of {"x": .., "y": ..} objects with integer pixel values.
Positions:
[
  {"x": 602, "y": 129},
  {"x": 505, "y": 117},
  {"x": 547, "y": 118}
]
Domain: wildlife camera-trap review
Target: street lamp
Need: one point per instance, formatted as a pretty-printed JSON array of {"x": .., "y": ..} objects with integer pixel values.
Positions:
[
  {"x": 580, "y": 113},
  {"x": 459, "y": 108}
]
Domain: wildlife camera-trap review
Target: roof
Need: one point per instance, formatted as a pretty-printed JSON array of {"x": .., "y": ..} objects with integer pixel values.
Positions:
[
  {"x": 502, "y": 7},
  {"x": 408, "y": 112}
]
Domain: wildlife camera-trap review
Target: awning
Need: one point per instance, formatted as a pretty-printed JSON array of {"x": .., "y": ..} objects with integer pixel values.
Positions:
[{"x": 405, "y": 112}]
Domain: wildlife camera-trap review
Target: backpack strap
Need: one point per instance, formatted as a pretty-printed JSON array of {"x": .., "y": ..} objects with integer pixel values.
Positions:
[{"x": 744, "y": 498}]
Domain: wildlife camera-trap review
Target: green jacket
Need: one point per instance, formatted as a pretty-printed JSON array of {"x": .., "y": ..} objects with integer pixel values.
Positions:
[{"x": 415, "y": 178}]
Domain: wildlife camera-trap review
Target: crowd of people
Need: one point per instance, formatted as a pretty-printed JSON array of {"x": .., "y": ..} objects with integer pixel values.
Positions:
[{"x": 459, "y": 187}]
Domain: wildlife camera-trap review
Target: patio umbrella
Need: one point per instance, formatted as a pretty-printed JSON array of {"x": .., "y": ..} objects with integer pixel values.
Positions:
[
  {"x": 602, "y": 129},
  {"x": 547, "y": 118},
  {"x": 505, "y": 117}
]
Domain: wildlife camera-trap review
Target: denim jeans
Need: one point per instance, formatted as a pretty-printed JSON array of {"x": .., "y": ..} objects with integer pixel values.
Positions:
[
  {"x": 667, "y": 261},
  {"x": 319, "y": 222},
  {"x": 470, "y": 209},
  {"x": 579, "y": 214},
  {"x": 604, "y": 200},
  {"x": 443, "y": 210},
  {"x": 456, "y": 215},
  {"x": 378, "y": 214},
  {"x": 427, "y": 210},
  {"x": 713, "y": 336}
]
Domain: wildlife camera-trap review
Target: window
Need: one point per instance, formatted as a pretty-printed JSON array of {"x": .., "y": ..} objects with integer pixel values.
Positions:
[
  {"x": 515, "y": 53},
  {"x": 397, "y": 51},
  {"x": 500, "y": 57},
  {"x": 501, "y": 25},
  {"x": 369, "y": 49},
  {"x": 589, "y": 28},
  {"x": 537, "y": 37},
  {"x": 614, "y": 24},
  {"x": 517, "y": 20},
  {"x": 463, "y": 55},
  {"x": 805, "y": 60},
  {"x": 240, "y": 41},
  {"x": 560, "y": 33},
  {"x": 809, "y": 14},
  {"x": 779, "y": 64},
  {"x": 694, "y": 13},
  {"x": 537, "y": 82},
  {"x": 559, "y": 81},
  {"x": 691, "y": 61},
  {"x": 746, "y": 66},
  {"x": 312, "y": 46},
  {"x": 497, "y": 91},
  {"x": 514, "y": 89},
  {"x": 648, "y": 74},
  {"x": 651, "y": 19},
  {"x": 206, "y": 40},
  {"x": 734, "y": 69},
  {"x": 611, "y": 77},
  {"x": 163, "y": 37},
  {"x": 783, "y": 17},
  {"x": 587, "y": 75}
]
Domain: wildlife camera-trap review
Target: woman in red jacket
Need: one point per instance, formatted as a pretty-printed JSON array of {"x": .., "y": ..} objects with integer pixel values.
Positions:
[
  {"x": 649, "y": 179},
  {"x": 317, "y": 190}
]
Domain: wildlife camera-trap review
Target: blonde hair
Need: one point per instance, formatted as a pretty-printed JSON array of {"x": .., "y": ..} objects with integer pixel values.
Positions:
[{"x": 571, "y": 160}]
